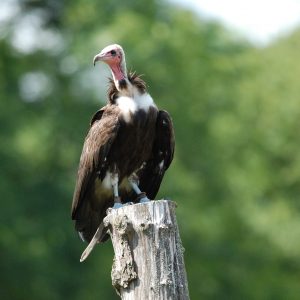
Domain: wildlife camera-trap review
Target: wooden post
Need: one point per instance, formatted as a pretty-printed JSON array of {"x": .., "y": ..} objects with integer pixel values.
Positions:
[{"x": 148, "y": 262}]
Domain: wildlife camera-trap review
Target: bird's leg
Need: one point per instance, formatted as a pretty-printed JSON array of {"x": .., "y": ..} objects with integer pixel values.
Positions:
[
  {"x": 141, "y": 196},
  {"x": 115, "y": 187}
]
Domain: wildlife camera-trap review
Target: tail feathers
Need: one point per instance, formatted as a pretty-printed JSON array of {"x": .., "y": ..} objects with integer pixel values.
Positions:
[{"x": 98, "y": 237}]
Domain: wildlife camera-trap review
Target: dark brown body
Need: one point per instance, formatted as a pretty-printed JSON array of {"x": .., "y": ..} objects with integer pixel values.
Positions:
[
  {"x": 134, "y": 143},
  {"x": 114, "y": 145}
]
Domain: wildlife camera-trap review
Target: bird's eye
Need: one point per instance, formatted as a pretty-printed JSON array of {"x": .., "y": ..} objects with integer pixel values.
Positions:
[{"x": 113, "y": 52}]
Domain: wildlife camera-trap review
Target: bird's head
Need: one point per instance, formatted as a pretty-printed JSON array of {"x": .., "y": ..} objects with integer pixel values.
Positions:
[{"x": 113, "y": 55}]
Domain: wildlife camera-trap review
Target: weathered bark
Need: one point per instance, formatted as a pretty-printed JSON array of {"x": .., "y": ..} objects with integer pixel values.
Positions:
[{"x": 148, "y": 262}]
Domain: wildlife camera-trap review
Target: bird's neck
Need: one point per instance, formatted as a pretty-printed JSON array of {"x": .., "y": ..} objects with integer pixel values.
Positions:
[
  {"x": 124, "y": 87},
  {"x": 118, "y": 72},
  {"x": 120, "y": 77}
]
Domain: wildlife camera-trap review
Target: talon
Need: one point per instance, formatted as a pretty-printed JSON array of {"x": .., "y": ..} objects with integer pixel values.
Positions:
[
  {"x": 117, "y": 205},
  {"x": 142, "y": 198}
]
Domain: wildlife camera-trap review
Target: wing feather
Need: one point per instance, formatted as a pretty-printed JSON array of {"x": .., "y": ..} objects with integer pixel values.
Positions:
[
  {"x": 102, "y": 133},
  {"x": 153, "y": 171}
]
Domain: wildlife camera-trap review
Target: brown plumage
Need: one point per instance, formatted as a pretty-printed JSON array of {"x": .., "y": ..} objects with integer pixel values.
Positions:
[{"x": 123, "y": 142}]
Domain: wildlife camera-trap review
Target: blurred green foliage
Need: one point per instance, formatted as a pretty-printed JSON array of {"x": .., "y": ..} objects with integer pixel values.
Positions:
[{"x": 236, "y": 172}]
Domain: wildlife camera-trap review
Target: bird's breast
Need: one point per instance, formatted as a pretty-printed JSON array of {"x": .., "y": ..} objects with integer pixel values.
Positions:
[
  {"x": 134, "y": 142},
  {"x": 130, "y": 105}
]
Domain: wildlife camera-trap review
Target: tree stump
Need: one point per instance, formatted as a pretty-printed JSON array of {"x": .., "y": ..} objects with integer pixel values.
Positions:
[{"x": 148, "y": 262}]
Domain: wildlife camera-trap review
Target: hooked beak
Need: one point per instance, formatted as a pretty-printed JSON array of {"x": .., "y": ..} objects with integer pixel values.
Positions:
[{"x": 100, "y": 57}]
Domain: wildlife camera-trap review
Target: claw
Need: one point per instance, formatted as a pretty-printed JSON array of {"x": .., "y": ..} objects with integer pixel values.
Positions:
[
  {"x": 117, "y": 205},
  {"x": 142, "y": 197},
  {"x": 144, "y": 200}
]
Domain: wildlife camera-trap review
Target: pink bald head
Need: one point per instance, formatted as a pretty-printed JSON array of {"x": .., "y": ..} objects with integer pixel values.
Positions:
[{"x": 113, "y": 55}]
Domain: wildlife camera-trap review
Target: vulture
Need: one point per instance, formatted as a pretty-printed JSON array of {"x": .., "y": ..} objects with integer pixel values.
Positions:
[{"x": 128, "y": 148}]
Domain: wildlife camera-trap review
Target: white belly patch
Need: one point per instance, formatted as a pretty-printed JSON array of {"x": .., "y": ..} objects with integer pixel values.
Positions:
[
  {"x": 106, "y": 186},
  {"x": 109, "y": 180}
]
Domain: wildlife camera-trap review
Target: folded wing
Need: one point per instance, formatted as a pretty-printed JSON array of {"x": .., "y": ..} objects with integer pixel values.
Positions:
[
  {"x": 87, "y": 211},
  {"x": 152, "y": 173}
]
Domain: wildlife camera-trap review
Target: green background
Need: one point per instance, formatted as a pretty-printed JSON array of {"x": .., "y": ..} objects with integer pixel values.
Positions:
[{"x": 236, "y": 171}]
